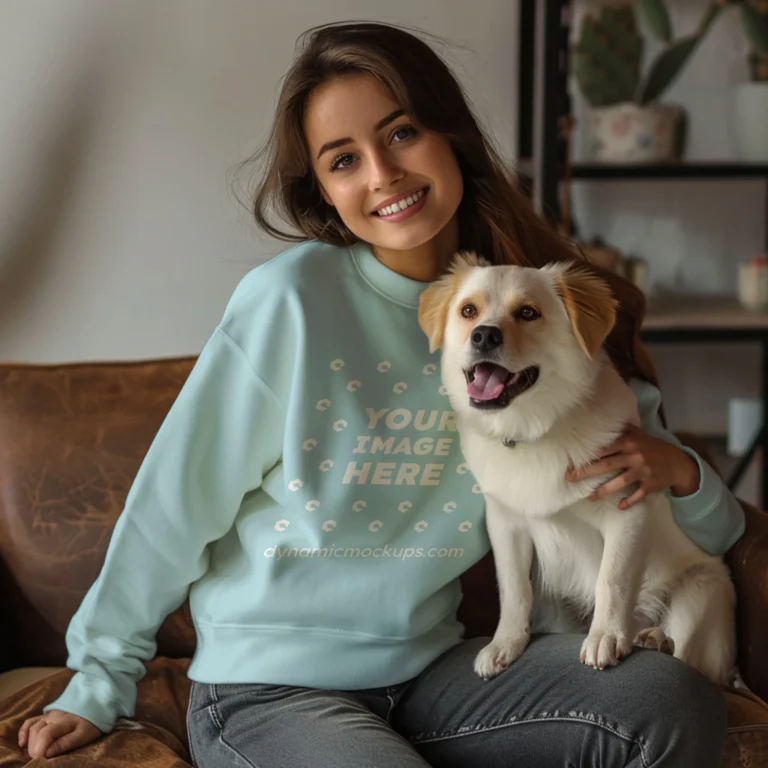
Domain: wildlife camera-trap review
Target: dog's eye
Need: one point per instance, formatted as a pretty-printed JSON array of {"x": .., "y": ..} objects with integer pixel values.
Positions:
[
  {"x": 468, "y": 310},
  {"x": 527, "y": 314}
]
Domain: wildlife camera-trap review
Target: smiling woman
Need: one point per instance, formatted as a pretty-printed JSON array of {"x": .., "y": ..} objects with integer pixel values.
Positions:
[{"x": 386, "y": 170}]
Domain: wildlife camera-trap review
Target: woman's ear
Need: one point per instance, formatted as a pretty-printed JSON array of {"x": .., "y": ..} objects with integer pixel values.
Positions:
[{"x": 325, "y": 195}]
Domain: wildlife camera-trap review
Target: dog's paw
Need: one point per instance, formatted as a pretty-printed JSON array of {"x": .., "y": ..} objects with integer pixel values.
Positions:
[
  {"x": 499, "y": 654},
  {"x": 654, "y": 638},
  {"x": 602, "y": 649}
]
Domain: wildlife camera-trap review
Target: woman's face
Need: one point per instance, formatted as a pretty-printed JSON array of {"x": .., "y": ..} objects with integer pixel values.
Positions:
[{"x": 394, "y": 184}]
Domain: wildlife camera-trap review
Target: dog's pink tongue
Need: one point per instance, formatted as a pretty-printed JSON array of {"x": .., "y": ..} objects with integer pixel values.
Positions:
[{"x": 488, "y": 383}]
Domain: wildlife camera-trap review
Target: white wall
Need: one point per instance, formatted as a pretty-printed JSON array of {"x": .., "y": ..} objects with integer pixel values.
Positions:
[{"x": 120, "y": 122}]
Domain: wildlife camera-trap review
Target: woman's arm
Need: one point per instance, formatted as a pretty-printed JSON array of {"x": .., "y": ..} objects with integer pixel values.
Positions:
[
  {"x": 709, "y": 513},
  {"x": 650, "y": 459},
  {"x": 221, "y": 436}
]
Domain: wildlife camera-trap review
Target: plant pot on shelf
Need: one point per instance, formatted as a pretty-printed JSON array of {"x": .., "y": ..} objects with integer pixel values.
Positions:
[
  {"x": 750, "y": 121},
  {"x": 629, "y": 133},
  {"x": 628, "y": 122}
]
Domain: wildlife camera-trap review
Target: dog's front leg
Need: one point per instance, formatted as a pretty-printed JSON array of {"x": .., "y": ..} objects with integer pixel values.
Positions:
[
  {"x": 512, "y": 551},
  {"x": 618, "y": 583}
]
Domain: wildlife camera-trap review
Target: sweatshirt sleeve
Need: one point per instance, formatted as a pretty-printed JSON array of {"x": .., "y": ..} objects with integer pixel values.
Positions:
[
  {"x": 711, "y": 516},
  {"x": 220, "y": 437}
]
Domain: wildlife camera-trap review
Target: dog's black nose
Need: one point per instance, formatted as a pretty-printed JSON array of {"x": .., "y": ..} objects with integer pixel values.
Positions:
[{"x": 486, "y": 338}]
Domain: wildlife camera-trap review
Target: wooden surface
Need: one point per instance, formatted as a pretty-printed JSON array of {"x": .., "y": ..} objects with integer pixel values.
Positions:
[{"x": 701, "y": 312}]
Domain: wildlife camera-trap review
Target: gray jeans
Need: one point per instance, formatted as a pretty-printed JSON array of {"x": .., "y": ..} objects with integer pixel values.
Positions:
[{"x": 547, "y": 709}]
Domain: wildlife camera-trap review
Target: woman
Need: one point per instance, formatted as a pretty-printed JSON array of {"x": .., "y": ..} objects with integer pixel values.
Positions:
[{"x": 308, "y": 491}]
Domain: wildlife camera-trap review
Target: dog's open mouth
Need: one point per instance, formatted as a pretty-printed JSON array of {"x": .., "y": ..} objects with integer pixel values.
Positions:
[{"x": 491, "y": 386}]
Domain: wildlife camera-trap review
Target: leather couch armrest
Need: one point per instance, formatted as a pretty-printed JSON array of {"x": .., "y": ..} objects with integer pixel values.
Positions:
[{"x": 748, "y": 561}]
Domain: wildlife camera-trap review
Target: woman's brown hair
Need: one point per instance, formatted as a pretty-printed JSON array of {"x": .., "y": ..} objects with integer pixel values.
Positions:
[{"x": 495, "y": 219}]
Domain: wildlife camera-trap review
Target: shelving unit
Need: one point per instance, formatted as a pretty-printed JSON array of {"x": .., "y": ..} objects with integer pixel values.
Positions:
[
  {"x": 545, "y": 35},
  {"x": 677, "y": 170}
]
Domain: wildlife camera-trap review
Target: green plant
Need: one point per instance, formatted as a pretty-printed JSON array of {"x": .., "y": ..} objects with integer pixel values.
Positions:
[
  {"x": 608, "y": 55},
  {"x": 754, "y": 17}
]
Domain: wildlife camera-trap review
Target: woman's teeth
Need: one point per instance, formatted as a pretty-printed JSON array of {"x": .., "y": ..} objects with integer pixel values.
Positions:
[{"x": 388, "y": 210}]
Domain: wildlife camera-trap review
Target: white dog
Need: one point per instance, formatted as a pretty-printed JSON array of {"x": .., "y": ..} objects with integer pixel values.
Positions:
[{"x": 534, "y": 393}]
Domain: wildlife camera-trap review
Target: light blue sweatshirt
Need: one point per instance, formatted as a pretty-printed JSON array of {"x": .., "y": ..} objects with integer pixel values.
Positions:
[{"x": 308, "y": 491}]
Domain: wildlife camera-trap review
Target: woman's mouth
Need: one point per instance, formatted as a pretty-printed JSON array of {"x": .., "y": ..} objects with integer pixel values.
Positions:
[{"x": 403, "y": 208}]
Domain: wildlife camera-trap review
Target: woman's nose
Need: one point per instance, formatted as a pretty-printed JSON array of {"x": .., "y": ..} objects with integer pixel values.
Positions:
[{"x": 384, "y": 170}]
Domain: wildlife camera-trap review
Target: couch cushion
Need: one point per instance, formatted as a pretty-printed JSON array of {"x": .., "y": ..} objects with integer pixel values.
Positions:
[{"x": 71, "y": 440}]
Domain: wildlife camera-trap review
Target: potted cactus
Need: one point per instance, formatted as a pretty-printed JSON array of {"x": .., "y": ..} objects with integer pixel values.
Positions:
[
  {"x": 750, "y": 114},
  {"x": 627, "y": 122}
]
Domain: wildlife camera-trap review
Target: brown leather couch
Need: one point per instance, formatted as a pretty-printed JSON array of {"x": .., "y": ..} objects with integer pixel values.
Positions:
[{"x": 71, "y": 440}]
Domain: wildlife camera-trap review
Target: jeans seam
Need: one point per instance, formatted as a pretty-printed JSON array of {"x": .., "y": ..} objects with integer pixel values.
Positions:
[
  {"x": 229, "y": 746},
  {"x": 388, "y": 716},
  {"x": 192, "y": 756},
  {"x": 527, "y": 721},
  {"x": 213, "y": 710}
]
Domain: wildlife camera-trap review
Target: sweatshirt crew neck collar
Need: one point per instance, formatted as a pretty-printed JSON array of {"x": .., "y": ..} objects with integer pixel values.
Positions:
[{"x": 396, "y": 287}]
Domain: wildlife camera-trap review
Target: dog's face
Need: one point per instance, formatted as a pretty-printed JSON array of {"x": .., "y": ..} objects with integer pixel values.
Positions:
[{"x": 519, "y": 344}]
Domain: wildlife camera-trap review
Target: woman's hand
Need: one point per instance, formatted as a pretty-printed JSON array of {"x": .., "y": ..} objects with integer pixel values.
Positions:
[
  {"x": 55, "y": 733},
  {"x": 653, "y": 464}
]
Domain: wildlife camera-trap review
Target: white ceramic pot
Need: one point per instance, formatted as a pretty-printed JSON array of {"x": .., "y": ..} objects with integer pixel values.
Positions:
[
  {"x": 750, "y": 122},
  {"x": 628, "y": 133}
]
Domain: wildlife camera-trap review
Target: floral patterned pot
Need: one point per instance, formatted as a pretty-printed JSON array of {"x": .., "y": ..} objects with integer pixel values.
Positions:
[{"x": 628, "y": 133}]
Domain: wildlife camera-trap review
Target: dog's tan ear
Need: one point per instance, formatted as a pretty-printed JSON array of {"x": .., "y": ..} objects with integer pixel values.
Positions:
[
  {"x": 590, "y": 305},
  {"x": 433, "y": 308},
  {"x": 435, "y": 300}
]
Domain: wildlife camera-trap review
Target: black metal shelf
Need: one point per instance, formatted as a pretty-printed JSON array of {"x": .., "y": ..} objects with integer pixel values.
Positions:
[{"x": 671, "y": 170}]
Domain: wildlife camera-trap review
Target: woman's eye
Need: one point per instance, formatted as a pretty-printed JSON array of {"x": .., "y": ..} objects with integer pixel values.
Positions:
[
  {"x": 527, "y": 313},
  {"x": 403, "y": 132},
  {"x": 342, "y": 161},
  {"x": 468, "y": 310}
]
